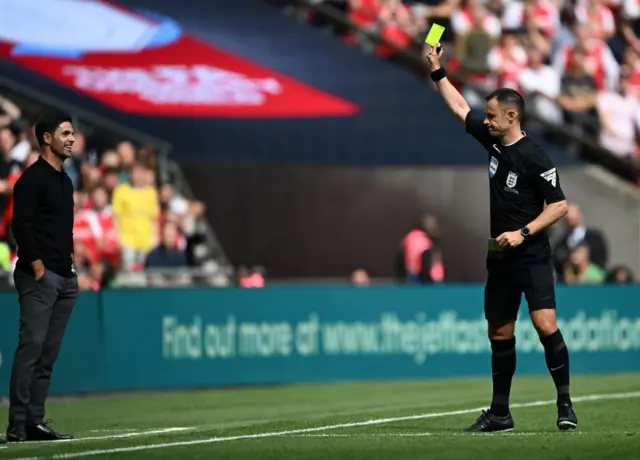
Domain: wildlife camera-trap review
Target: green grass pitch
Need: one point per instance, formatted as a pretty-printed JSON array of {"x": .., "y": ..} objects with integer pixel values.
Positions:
[{"x": 377, "y": 420}]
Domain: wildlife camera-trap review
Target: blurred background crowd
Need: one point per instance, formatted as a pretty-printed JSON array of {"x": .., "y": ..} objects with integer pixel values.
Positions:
[
  {"x": 132, "y": 226},
  {"x": 581, "y": 254},
  {"x": 577, "y": 62}
]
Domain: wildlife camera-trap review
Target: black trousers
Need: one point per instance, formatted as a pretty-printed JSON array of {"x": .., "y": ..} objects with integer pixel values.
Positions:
[{"x": 45, "y": 309}]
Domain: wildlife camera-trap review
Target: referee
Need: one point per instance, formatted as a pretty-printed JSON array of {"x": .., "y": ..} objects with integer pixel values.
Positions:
[
  {"x": 522, "y": 179},
  {"x": 44, "y": 277}
]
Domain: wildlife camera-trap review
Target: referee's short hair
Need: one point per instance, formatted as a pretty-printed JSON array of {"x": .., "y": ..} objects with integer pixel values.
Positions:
[
  {"x": 508, "y": 98},
  {"x": 48, "y": 122}
]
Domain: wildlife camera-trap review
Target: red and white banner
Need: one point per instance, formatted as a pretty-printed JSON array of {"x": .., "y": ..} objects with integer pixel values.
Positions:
[{"x": 181, "y": 77}]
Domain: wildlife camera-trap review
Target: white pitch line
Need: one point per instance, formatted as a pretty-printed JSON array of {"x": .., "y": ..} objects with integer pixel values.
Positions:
[
  {"x": 360, "y": 435},
  {"x": 112, "y": 436},
  {"x": 271, "y": 434},
  {"x": 443, "y": 434},
  {"x": 133, "y": 434},
  {"x": 115, "y": 430}
]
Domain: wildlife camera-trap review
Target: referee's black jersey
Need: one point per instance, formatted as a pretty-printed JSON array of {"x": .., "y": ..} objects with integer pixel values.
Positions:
[{"x": 521, "y": 179}]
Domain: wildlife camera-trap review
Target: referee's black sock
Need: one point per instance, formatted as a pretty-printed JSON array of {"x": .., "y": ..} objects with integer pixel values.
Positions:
[
  {"x": 557, "y": 357},
  {"x": 503, "y": 365}
]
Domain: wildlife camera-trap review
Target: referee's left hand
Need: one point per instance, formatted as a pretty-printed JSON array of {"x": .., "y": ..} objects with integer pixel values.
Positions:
[
  {"x": 510, "y": 239},
  {"x": 432, "y": 55}
]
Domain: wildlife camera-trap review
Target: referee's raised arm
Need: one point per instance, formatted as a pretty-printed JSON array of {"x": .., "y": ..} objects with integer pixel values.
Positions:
[{"x": 457, "y": 104}]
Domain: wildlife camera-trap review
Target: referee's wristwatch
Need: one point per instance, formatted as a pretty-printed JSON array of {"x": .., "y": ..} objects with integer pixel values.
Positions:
[{"x": 525, "y": 232}]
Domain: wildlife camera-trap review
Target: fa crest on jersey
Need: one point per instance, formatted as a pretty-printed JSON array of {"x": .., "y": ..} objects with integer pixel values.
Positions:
[
  {"x": 493, "y": 166},
  {"x": 512, "y": 179}
]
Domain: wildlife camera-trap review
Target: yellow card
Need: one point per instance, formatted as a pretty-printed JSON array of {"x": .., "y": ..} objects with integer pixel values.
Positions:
[{"x": 435, "y": 34}]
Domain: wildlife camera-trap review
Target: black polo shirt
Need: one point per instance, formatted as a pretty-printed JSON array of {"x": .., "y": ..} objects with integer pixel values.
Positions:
[
  {"x": 521, "y": 179},
  {"x": 43, "y": 218}
]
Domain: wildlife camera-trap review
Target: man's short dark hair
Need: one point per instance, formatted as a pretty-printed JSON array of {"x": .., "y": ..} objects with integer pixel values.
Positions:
[
  {"x": 48, "y": 122},
  {"x": 509, "y": 98}
]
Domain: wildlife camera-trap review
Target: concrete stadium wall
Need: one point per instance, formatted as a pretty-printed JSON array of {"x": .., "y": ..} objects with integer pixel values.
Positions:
[{"x": 302, "y": 221}]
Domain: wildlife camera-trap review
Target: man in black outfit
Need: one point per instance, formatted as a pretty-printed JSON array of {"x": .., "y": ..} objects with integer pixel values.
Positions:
[
  {"x": 44, "y": 277},
  {"x": 522, "y": 179}
]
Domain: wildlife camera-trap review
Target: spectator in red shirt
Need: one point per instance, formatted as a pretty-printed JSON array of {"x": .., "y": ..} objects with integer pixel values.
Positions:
[
  {"x": 109, "y": 159},
  {"x": 596, "y": 13},
  {"x": 397, "y": 25},
  {"x": 420, "y": 256},
  {"x": 508, "y": 60},
  {"x": 103, "y": 226},
  {"x": 364, "y": 13},
  {"x": 84, "y": 231},
  {"x": 600, "y": 62},
  {"x": 542, "y": 14}
]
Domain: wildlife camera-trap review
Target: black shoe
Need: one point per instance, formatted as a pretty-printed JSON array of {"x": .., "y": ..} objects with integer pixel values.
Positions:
[
  {"x": 42, "y": 432},
  {"x": 567, "y": 419},
  {"x": 16, "y": 432},
  {"x": 490, "y": 423}
]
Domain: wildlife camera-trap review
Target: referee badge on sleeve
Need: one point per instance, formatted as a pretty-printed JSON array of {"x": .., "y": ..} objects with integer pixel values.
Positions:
[
  {"x": 493, "y": 166},
  {"x": 550, "y": 176}
]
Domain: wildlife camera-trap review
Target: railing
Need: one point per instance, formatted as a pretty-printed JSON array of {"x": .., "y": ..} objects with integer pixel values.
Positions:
[
  {"x": 157, "y": 277},
  {"x": 591, "y": 151},
  {"x": 164, "y": 277}
]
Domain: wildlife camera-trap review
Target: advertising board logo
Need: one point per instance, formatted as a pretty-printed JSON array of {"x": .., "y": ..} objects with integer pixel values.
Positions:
[
  {"x": 140, "y": 62},
  {"x": 44, "y": 28}
]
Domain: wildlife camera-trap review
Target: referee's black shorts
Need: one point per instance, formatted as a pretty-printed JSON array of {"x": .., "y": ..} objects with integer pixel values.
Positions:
[{"x": 508, "y": 279}]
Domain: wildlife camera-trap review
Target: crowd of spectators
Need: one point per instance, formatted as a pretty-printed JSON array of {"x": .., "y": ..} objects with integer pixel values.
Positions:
[
  {"x": 577, "y": 61},
  {"x": 581, "y": 254},
  {"x": 126, "y": 221}
]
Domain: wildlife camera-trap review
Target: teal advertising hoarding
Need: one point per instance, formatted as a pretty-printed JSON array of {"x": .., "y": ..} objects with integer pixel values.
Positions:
[
  {"x": 173, "y": 338},
  {"x": 80, "y": 364}
]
